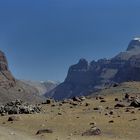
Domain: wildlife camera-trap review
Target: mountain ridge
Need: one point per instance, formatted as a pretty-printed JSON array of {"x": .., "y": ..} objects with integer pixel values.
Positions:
[
  {"x": 42, "y": 86},
  {"x": 85, "y": 77}
]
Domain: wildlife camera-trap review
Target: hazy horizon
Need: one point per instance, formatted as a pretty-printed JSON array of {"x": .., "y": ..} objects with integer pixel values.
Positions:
[{"x": 41, "y": 39}]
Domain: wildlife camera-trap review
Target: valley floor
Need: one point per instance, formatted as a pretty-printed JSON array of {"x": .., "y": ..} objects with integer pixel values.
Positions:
[{"x": 68, "y": 122}]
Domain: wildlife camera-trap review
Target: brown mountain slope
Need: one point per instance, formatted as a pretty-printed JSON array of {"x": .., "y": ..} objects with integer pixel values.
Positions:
[{"x": 11, "y": 89}]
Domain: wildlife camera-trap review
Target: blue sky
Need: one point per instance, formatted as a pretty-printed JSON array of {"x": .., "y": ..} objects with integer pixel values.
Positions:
[{"x": 43, "y": 38}]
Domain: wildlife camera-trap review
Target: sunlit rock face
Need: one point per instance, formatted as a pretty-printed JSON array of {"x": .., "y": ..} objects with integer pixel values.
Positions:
[
  {"x": 84, "y": 77},
  {"x": 6, "y": 78},
  {"x": 3, "y": 62}
]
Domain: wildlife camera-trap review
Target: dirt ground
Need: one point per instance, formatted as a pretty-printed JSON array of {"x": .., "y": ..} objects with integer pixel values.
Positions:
[{"x": 68, "y": 122}]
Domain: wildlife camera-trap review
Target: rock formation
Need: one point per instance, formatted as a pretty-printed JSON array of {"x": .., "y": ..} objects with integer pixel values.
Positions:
[
  {"x": 12, "y": 89},
  {"x": 6, "y": 78},
  {"x": 84, "y": 78}
]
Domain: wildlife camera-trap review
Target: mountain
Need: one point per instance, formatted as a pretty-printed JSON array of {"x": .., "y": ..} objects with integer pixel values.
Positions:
[
  {"x": 11, "y": 88},
  {"x": 43, "y": 86},
  {"x": 84, "y": 77},
  {"x": 6, "y": 78}
]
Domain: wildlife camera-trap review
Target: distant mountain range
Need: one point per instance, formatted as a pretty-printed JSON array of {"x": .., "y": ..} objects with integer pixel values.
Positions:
[
  {"x": 84, "y": 77},
  {"x": 42, "y": 86}
]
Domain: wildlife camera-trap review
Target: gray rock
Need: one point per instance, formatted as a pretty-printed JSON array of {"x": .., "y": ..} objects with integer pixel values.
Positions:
[
  {"x": 19, "y": 107},
  {"x": 92, "y": 132},
  {"x": 135, "y": 102},
  {"x": 77, "y": 99}
]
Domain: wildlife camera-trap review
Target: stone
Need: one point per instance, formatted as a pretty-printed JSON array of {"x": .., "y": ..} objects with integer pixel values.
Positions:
[
  {"x": 101, "y": 98},
  {"x": 127, "y": 96},
  {"x": 65, "y": 101},
  {"x": 93, "y": 124},
  {"x": 74, "y": 103},
  {"x": 133, "y": 112},
  {"x": 135, "y": 103},
  {"x": 133, "y": 119},
  {"x": 82, "y": 98},
  {"x": 106, "y": 114},
  {"x": 111, "y": 121},
  {"x": 14, "y": 118},
  {"x": 16, "y": 107},
  {"x": 103, "y": 101},
  {"x": 100, "y": 108},
  {"x": 92, "y": 132},
  {"x": 96, "y": 108},
  {"x": 53, "y": 105},
  {"x": 119, "y": 105},
  {"x": 87, "y": 104},
  {"x": 59, "y": 113},
  {"x": 48, "y": 101},
  {"x": 111, "y": 112},
  {"x": 42, "y": 131},
  {"x": 116, "y": 99},
  {"x": 77, "y": 99},
  {"x": 60, "y": 104},
  {"x": 127, "y": 110}
]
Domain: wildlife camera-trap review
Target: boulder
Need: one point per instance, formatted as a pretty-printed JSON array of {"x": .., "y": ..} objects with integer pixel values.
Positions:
[
  {"x": 111, "y": 112},
  {"x": 103, "y": 101},
  {"x": 116, "y": 99},
  {"x": 19, "y": 107},
  {"x": 14, "y": 118},
  {"x": 82, "y": 98},
  {"x": 77, "y": 99},
  {"x": 127, "y": 96},
  {"x": 93, "y": 131},
  {"x": 135, "y": 103},
  {"x": 120, "y": 105},
  {"x": 111, "y": 121},
  {"x": 48, "y": 101},
  {"x": 42, "y": 131}
]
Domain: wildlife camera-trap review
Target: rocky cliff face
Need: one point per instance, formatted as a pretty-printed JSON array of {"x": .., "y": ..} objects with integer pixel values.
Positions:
[
  {"x": 85, "y": 77},
  {"x": 11, "y": 89},
  {"x": 6, "y": 78}
]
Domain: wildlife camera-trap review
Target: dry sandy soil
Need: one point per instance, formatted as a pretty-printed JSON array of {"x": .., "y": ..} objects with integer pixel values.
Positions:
[{"x": 74, "y": 120}]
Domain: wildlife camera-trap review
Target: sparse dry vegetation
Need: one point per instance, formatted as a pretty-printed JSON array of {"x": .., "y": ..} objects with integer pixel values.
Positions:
[{"x": 69, "y": 121}]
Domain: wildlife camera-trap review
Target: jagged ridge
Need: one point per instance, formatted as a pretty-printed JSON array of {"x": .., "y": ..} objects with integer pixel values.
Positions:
[{"x": 84, "y": 78}]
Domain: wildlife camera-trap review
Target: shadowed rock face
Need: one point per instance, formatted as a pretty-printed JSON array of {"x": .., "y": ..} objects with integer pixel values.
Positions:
[{"x": 85, "y": 77}]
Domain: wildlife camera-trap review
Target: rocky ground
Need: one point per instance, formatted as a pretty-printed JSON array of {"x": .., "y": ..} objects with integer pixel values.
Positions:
[{"x": 107, "y": 116}]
